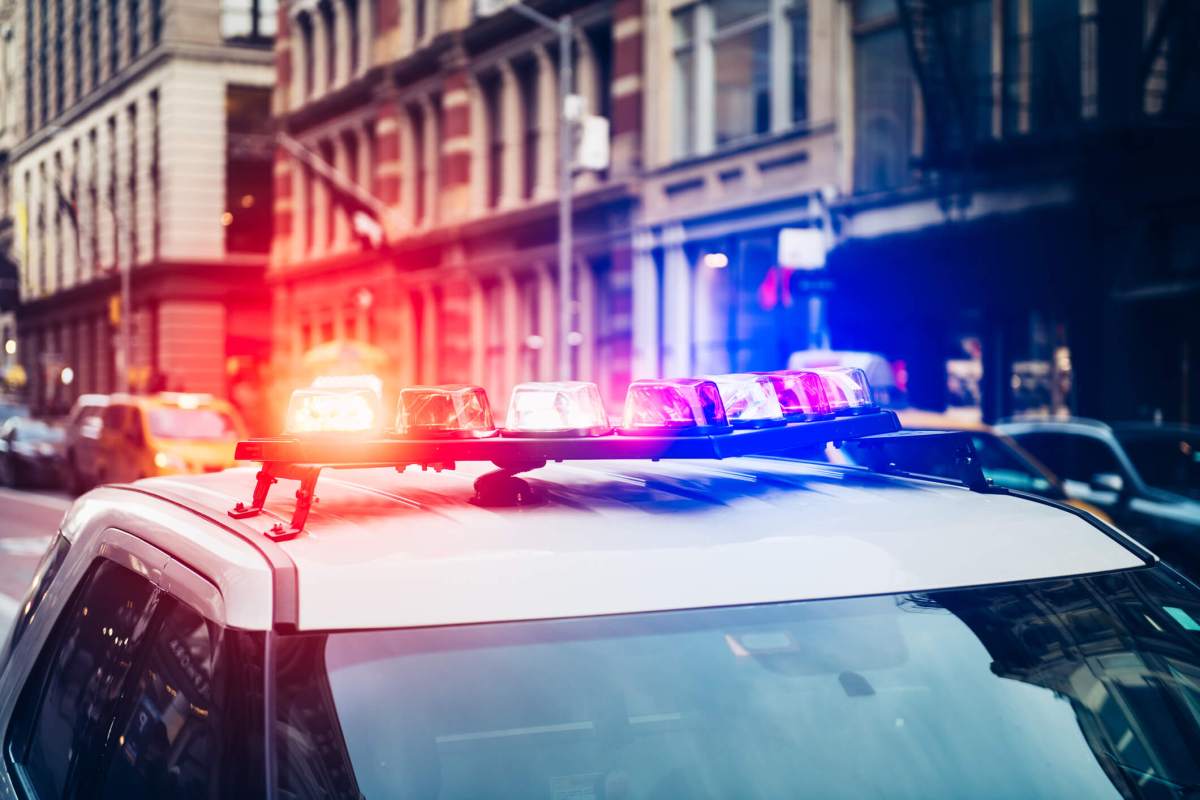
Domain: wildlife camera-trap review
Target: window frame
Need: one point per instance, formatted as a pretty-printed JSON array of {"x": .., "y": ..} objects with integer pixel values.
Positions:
[{"x": 169, "y": 579}]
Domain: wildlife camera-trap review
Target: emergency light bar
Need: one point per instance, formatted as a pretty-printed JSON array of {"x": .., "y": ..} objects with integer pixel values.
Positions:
[{"x": 731, "y": 415}]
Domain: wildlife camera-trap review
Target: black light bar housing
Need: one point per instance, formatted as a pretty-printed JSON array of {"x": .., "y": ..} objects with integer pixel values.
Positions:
[{"x": 303, "y": 458}]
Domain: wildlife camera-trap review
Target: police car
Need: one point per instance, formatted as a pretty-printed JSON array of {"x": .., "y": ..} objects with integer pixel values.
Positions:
[{"x": 555, "y": 610}]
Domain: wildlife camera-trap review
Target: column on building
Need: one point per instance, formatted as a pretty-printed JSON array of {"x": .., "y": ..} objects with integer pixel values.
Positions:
[
  {"x": 478, "y": 137},
  {"x": 431, "y": 157},
  {"x": 322, "y": 208},
  {"x": 387, "y": 170},
  {"x": 627, "y": 88},
  {"x": 283, "y": 208},
  {"x": 341, "y": 219},
  {"x": 366, "y": 33},
  {"x": 547, "y": 109},
  {"x": 408, "y": 163},
  {"x": 645, "y": 308},
  {"x": 676, "y": 304},
  {"x": 430, "y": 330},
  {"x": 455, "y": 168},
  {"x": 510, "y": 121}
]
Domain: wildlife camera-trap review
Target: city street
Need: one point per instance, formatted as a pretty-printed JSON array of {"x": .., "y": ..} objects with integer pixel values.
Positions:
[{"x": 30, "y": 519}]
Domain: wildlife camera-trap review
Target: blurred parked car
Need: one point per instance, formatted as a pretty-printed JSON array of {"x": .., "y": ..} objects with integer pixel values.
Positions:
[
  {"x": 165, "y": 434},
  {"x": 82, "y": 445},
  {"x": 12, "y": 408},
  {"x": 1003, "y": 461},
  {"x": 1146, "y": 476},
  {"x": 30, "y": 453}
]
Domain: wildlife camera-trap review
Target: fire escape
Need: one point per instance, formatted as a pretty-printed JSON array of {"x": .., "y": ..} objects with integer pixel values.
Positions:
[{"x": 1146, "y": 74}]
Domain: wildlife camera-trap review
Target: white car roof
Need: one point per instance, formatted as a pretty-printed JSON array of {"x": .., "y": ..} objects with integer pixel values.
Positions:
[{"x": 383, "y": 549}]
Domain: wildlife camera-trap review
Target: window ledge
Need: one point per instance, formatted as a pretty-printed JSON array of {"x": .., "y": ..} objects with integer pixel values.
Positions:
[{"x": 741, "y": 146}]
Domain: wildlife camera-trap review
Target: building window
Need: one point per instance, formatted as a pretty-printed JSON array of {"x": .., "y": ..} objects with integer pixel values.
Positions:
[
  {"x": 155, "y": 177},
  {"x": 133, "y": 183},
  {"x": 490, "y": 87},
  {"x": 94, "y": 200},
  {"x": 94, "y": 35},
  {"x": 329, "y": 28},
  {"x": 741, "y": 68},
  {"x": 77, "y": 47},
  {"x": 684, "y": 27},
  {"x": 527, "y": 88},
  {"x": 43, "y": 64},
  {"x": 59, "y": 61},
  {"x": 248, "y": 21},
  {"x": 798, "y": 21},
  {"x": 305, "y": 23},
  {"x": 112, "y": 192},
  {"x": 249, "y": 163},
  {"x": 726, "y": 65},
  {"x": 55, "y": 198},
  {"x": 884, "y": 98},
  {"x": 29, "y": 77},
  {"x": 353, "y": 43},
  {"x": 420, "y": 20},
  {"x": 416, "y": 118},
  {"x": 135, "y": 28},
  {"x": 308, "y": 185},
  {"x": 114, "y": 37},
  {"x": 156, "y": 21}
]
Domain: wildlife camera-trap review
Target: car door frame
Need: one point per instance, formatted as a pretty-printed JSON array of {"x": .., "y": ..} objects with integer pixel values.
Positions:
[{"x": 126, "y": 549}]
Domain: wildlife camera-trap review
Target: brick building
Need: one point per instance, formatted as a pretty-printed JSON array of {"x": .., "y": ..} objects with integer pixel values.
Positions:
[
  {"x": 450, "y": 119},
  {"x": 142, "y": 145}
]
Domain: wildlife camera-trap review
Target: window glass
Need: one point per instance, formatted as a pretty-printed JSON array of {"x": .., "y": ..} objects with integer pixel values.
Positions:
[
  {"x": 197, "y": 423},
  {"x": 1093, "y": 456},
  {"x": 166, "y": 746},
  {"x": 685, "y": 81},
  {"x": 1168, "y": 460},
  {"x": 1004, "y": 467},
  {"x": 65, "y": 709},
  {"x": 798, "y": 15},
  {"x": 742, "y": 66},
  {"x": 51, "y": 562},
  {"x": 1073, "y": 687},
  {"x": 1052, "y": 449},
  {"x": 731, "y": 12}
]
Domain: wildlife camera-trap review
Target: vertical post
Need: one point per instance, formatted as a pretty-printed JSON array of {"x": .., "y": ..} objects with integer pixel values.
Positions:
[{"x": 565, "y": 244}]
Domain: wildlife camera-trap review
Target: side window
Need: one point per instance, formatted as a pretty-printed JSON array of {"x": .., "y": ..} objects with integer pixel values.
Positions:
[
  {"x": 133, "y": 426},
  {"x": 114, "y": 417},
  {"x": 1052, "y": 449},
  {"x": 43, "y": 576},
  {"x": 1094, "y": 456},
  {"x": 190, "y": 725},
  {"x": 64, "y": 709}
]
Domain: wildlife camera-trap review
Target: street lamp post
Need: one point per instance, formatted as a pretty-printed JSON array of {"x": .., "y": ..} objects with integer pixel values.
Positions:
[{"x": 563, "y": 28}]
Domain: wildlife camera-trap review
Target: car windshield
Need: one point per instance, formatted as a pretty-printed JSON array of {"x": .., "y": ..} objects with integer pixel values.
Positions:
[
  {"x": 35, "y": 431},
  {"x": 1165, "y": 459},
  {"x": 1005, "y": 466},
  {"x": 1080, "y": 687},
  {"x": 191, "y": 423}
]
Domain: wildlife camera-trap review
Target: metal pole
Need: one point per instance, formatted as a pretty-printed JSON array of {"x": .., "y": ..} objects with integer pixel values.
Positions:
[{"x": 566, "y": 294}]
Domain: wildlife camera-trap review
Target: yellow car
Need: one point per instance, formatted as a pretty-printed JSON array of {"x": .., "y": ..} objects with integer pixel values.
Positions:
[{"x": 165, "y": 434}]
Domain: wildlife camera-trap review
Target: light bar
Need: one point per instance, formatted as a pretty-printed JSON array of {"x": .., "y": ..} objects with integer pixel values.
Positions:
[
  {"x": 750, "y": 400},
  {"x": 318, "y": 411},
  {"x": 556, "y": 408},
  {"x": 684, "y": 406},
  {"x": 847, "y": 389},
  {"x": 444, "y": 412},
  {"x": 801, "y": 394}
]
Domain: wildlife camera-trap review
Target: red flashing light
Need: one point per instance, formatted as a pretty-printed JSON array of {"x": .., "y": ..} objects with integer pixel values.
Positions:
[
  {"x": 847, "y": 389},
  {"x": 681, "y": 406},
  {"x": 445, "y": 412},
  {"x": 801, "y": 394}
]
